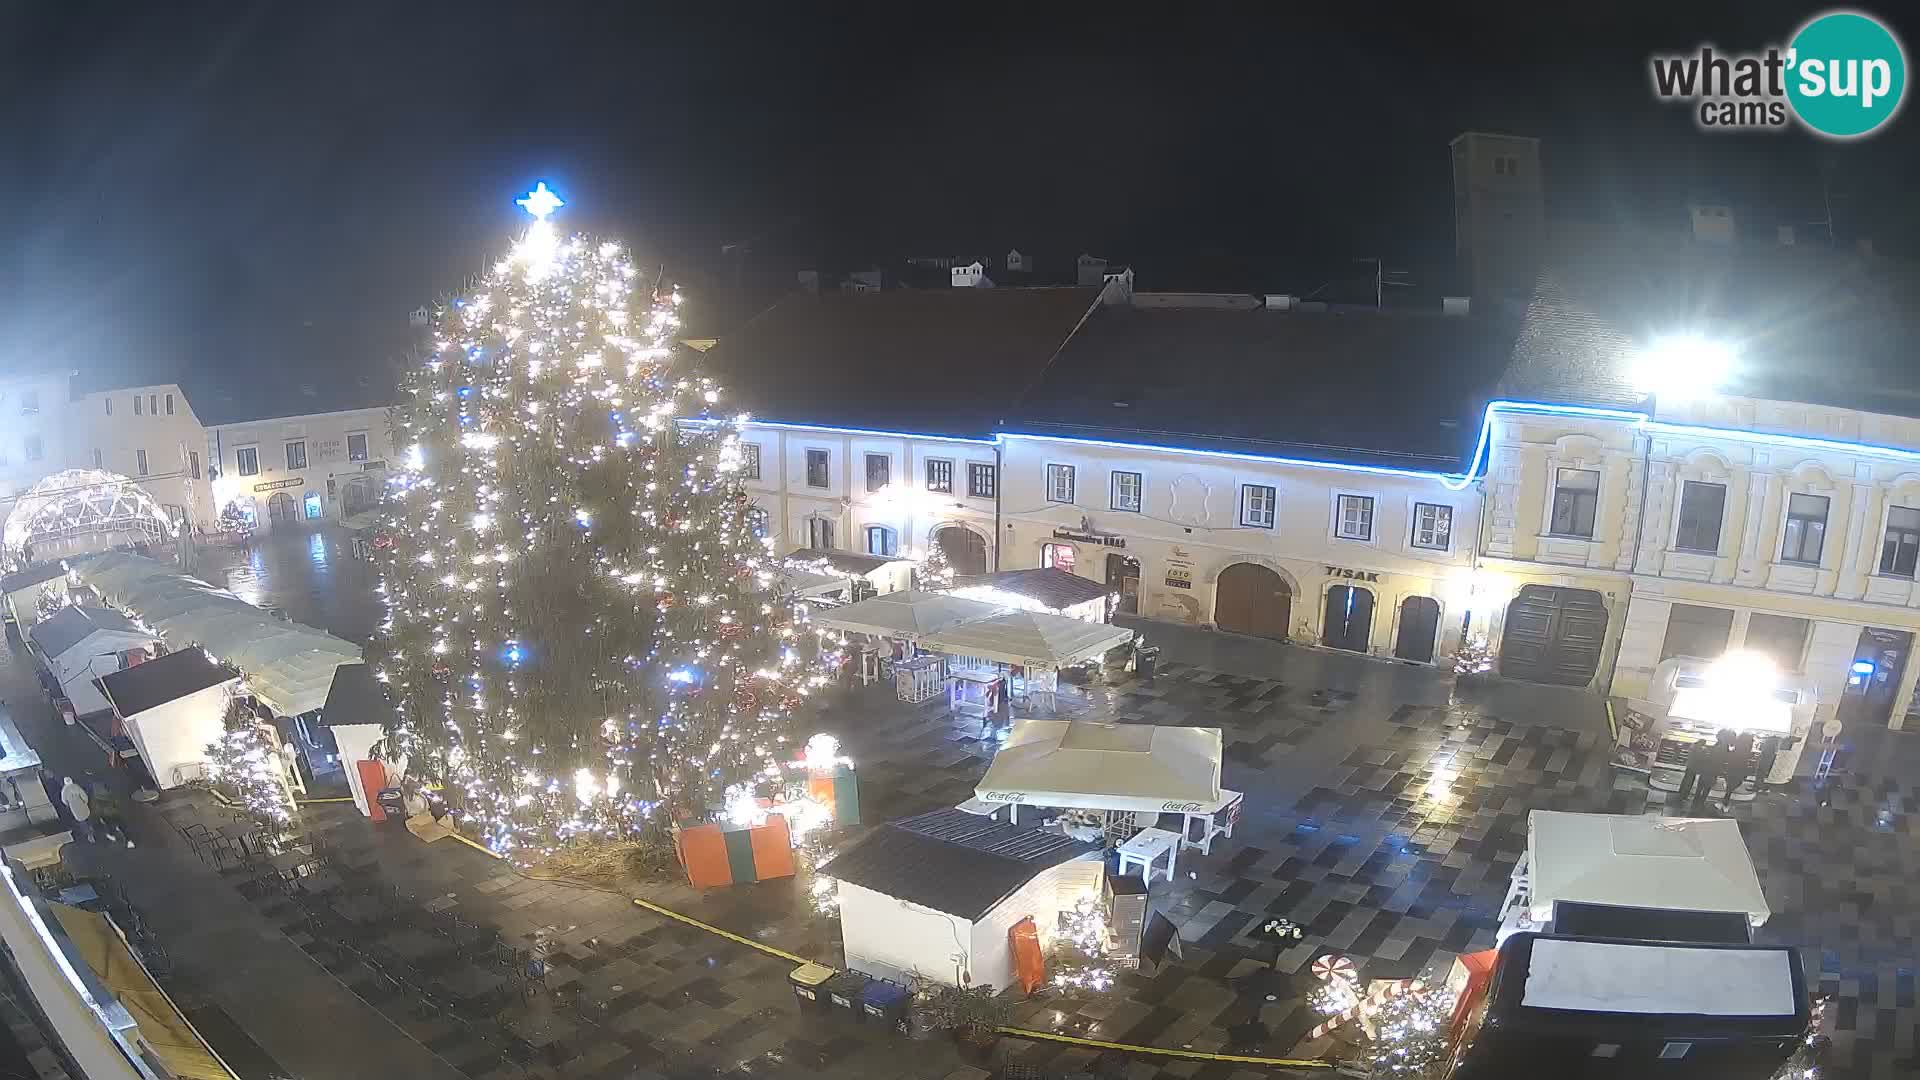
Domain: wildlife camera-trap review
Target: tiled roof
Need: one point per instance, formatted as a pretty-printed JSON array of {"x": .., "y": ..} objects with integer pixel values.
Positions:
[
  {"x": 953, "y": 861},
  {"x": 1807, "y": 324},
  {"x": 158, "y": 681},
  {"x": 1361, "y": 387},
  {"x": 936, "y": 361}
]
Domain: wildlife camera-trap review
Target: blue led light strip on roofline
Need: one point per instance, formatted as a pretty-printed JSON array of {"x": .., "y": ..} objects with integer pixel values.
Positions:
[{"x": 1449, "y": 481}]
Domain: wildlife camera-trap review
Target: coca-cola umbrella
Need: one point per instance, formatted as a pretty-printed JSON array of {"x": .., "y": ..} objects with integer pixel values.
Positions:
[{"x": 1119, "y": 767}]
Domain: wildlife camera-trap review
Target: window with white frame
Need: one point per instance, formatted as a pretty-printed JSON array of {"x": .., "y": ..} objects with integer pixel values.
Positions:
[
  {"x": 1806, "y": 532},
  {"x": 981, "y": 482},
  {"x": 137, "y": 406},
  {"x": 246, "y": 459},
  {"x": 35, "y": 449},
  {"x": 1126, "y": 492},
  {"x": 297, "y": 454},
  {"x": 99, "y": 459},
  {"x": 153, "y": 404},
  {"x": 940, "y": 475},
  {"x": 1576, "y": 500},
  {"x": 1900, "y": 549},
  {"x": 108, "y": 400},
  {"x": 750, "y": 461},
  {"x": 169, "y": 404},
  {"x": 1354, "y": 518},
  {"x": 140, "y": 462},
  {"x": 356, "y": 446},
  {"x": 1432, "y": 526},
  {"x": 1060, "y": 483},
  {"x": 1702, "y": 506},
  {"x": 1257, "y": 502},
  {"x": 818, "y": 466},
  {"x": 881, "y": 540},
  {"x": 193, "y": 464},
  {"x": 757, "y": 520},
  {"x": 879, "y": 472}
]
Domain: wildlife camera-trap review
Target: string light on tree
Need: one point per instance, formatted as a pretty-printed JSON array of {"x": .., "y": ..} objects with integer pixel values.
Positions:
[
  {"x": 1411, "y": 1040},
  {"x": 583, "y": 637},
  {"x": 247, "y": 761}
]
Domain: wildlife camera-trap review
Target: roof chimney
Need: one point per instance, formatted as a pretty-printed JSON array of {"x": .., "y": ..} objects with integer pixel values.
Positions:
[
  {"x": 1454, "y": 305},
  {"x": 1279, "y": 302}
]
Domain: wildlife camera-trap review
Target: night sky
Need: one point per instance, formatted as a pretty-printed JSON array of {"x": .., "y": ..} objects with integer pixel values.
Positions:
[{"x": 250, "y": 198}]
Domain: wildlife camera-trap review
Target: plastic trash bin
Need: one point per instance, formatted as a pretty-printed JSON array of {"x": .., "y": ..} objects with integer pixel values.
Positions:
[
  {"x": 884, "y": 1003},
  {"x": 843, "y": 994},
  {"x": 393, "y": 802},
  {"x": 807, "y": 980},
  {"x": 1145, "y": 660}
]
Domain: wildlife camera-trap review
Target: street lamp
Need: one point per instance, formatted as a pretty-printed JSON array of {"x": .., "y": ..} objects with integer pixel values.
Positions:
[{"x": 1682, "y": 367}]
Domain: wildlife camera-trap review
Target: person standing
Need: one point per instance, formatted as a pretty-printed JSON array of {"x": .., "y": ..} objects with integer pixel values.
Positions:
[
  {"x": 1769, "y": 750},
  {"x": 1713, "y": 761},
  {"x": 76, "y": 799},
  {"x": 1739, "y": 765}
]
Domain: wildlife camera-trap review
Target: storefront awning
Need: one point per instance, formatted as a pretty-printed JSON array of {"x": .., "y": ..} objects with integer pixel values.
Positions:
[
  {"x": 1029, "y": 638},
  {"x": 162, "y": 1027},
  {"x": 1126, "y": 767}
]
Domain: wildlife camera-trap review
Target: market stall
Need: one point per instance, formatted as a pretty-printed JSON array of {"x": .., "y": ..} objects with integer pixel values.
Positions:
[
  {"x": 807, "y": 585},
  {"x": 1118, "y": 768},
  {"x": 172, "y": 708},
  {"x": 860, "y": 575},
  {"x": 935, "y": 895},
  {"x": 356, "y": 711},
  {"x": 897, "y": 622},
  {"x": 80, "y": 644},
  {"x": 20, "y": 591},
  {"x": 1047, "y": 589},
  {"x": 1028, "y": 648},
  {"x": 1691, "y": 700},
  {"x": 1655, "y": 864},
  {"x": 1598, "y": 1008}
]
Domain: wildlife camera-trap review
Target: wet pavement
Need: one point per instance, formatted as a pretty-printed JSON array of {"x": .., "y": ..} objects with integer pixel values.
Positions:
[{"x": 1384, "y": 813}]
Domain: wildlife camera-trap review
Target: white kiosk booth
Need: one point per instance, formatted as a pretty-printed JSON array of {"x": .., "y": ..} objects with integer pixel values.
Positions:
[
  {"x": 1691, "y": 699},
  {"x": 1683, "y": 867}
]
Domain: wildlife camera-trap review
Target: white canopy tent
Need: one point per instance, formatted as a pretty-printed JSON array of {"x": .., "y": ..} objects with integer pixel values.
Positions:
[
  {"x": 910, "y": 615},
  {"x": 1029, "y": 638},
  {"x": 1125, "y": 767},
  {"x": 82, "y": 644},
  {"x": 804, "y": 583},
  {"x": 1678, "y": 864},
  {"x": 288, "y": 666}
]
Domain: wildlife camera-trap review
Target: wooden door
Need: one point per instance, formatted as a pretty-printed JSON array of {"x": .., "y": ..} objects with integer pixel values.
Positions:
[
  {"x": 1348, "y": 621},
  {"x": 1419, "y": 622},
  {"x": 1252, "y": 599}
]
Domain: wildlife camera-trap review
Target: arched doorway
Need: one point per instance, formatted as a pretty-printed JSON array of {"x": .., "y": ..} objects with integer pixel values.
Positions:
[
  {"x": 280, "y": 507},
  {"x": 1553, "y": 635},
  {"x": 1348, "y": 620},
  {"x": 1252, "y": 599},
  {"x": 1419, "y": 622},
  {"x": 966, "y": 550}
]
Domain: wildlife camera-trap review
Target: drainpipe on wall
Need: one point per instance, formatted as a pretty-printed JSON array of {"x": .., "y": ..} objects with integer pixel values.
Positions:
[{"x": 999, "y": 483}]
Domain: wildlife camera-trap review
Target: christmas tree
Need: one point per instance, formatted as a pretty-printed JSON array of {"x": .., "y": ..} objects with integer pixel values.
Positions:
[
  {"x": 582, "y": 638},
  {"x": 246, "y": 761},
  {"x": 932, "y": 570}
]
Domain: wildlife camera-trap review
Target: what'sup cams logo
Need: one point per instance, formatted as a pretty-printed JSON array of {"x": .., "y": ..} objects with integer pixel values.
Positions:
[{"x": 1842, "y": 76}]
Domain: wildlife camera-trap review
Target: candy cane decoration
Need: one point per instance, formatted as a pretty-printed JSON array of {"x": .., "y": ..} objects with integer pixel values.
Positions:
[{"x": 1377, "y": 991}]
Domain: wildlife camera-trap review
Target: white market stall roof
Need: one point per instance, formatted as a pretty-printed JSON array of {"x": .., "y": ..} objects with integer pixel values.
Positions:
[
  {"x": 1029, "y": 638},
  {"x": 288, "y": 666},
  {"x": 909, "y": 614},
  {"x": 801, "y": 583},
  {"x": 1681, "y": 864},
  {"x": 1081, "y": 764}
]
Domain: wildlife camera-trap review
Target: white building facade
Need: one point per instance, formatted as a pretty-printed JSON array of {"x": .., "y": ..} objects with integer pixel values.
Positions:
[
  {"x": 150, "y": 434},
  {"x": 291, "y": 469}
]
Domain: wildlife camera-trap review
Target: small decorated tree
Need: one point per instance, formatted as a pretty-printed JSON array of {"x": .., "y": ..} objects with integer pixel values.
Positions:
[
  {"x": 932, "y": 570},
  {"x": 1475, "y": 657},
  {"x": 247, "y": 763},
  {"x": 1411, "y": 1040}
]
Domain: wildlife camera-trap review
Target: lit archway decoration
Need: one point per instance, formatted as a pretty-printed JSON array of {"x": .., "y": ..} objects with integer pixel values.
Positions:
[{"x": 76, "y": 503}]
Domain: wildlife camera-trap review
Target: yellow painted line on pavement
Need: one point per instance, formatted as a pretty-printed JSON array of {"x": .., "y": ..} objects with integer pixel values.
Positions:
[
  {"x": 1195, "y": 1055},
  {"x": 712, "y": 929}
]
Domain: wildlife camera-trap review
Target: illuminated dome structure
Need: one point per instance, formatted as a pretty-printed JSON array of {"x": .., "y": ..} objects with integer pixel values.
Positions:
[{"x": 77, "y": 510}]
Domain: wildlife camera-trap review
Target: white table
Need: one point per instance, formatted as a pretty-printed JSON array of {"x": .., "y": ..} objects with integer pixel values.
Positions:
[
  {"x": 1145, "y": 849},
  {"x": 1216, "y": 820}
]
